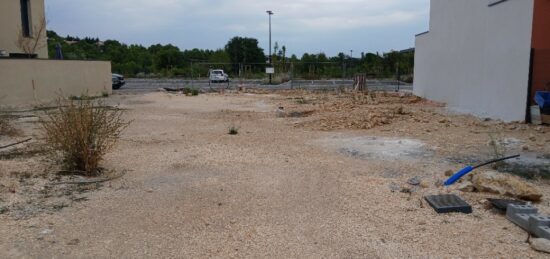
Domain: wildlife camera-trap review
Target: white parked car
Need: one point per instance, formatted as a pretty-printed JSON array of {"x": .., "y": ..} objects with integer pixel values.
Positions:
[{"x": 217, "y": 75}]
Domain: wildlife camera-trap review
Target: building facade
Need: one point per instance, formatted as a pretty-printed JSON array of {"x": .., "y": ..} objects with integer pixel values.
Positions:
[
  {"x": 27, "y": 76},
  {"x": 478, "y": 56},
  {"x": 23, "y": 22}
]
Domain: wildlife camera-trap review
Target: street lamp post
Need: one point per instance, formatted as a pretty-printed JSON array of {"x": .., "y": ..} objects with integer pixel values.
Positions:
[
  {"x": 270, "y": 13},
  {"x": 351, "y": 60}
]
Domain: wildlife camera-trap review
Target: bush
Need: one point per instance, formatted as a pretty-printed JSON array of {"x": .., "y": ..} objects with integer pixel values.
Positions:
[
  {"x": 233, "y": 130},
  {"x": 81, "y": 133},
  {"x": 190, "y": 91}
]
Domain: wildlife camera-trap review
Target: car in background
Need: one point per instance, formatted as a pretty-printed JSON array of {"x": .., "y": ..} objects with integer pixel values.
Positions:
[
  {"x": 118, "y": 81},
  {"x": 217, "y": 75}
]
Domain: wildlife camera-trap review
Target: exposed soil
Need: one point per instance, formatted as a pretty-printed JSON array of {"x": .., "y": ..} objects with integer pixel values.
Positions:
[{"x": 308, "y": 175}]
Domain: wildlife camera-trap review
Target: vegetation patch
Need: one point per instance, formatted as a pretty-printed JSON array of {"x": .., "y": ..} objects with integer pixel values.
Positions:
[
  {"x": 233, "y": 130},
  {"x": 81, "y": 133},
  {"x": 190, "y": 91}
]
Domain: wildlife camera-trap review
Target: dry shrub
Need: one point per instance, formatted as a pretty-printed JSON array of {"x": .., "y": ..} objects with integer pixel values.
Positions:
[{"x": 81, "y": 132}]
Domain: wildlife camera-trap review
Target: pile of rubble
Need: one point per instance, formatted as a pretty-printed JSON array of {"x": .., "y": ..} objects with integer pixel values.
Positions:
[
  {"x": 356, "y": 110},
  {"x": 502, "y": 184}
]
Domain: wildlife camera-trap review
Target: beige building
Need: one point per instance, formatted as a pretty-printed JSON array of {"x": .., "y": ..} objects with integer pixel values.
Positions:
[
  {"x": 27, "y": 76},
  {"x": 22, "y": 22}
]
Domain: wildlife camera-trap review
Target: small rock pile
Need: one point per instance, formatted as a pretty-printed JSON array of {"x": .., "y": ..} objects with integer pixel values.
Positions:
[{"x": 500, "y": 183}]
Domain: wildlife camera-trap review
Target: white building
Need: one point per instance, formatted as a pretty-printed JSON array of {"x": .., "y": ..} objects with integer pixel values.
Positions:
[{"x": 485, "y": 57}]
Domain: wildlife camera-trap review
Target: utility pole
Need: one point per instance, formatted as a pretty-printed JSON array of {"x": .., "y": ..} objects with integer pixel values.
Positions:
[
  {"x": 270, "y": 13},
  {"x": 351, "y": 60}
]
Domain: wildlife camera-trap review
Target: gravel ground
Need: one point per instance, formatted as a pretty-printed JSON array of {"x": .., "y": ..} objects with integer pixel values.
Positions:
[{"x": 280, "y": 188}]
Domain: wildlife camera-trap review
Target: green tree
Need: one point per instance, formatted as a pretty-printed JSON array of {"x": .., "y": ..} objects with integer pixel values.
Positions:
[
  {"x": 168, "y": 58},
  {"x": 244, "y": 50}
]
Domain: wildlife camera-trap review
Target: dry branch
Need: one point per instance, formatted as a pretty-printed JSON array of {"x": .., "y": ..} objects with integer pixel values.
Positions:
[
  {"x": 92, "y": 181},
  {"x": 29, "y": 44},
  {"x": 17, "y": 143}
]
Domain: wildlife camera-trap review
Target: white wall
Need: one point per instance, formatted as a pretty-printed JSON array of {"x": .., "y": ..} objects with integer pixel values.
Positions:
[{"x": 476, "y": 58}]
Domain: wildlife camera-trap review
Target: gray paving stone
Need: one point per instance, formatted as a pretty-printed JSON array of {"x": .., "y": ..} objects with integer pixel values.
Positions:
[
  {"x": 520, "y": 214},
  {"x": 543, "y": 232},
  {"x": 536, "y": 222}
]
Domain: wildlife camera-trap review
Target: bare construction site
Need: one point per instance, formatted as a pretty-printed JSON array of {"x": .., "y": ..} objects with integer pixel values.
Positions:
[{"x": 284, "y": 174}]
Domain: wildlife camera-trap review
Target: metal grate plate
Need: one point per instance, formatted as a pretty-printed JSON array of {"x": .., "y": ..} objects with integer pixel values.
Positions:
[
  {"x": 502, "y": 204},
  {"x": 448, "y": 203}
]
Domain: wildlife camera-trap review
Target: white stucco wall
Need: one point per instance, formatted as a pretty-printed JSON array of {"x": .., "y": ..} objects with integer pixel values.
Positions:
[{"x": 476, "y": 58}]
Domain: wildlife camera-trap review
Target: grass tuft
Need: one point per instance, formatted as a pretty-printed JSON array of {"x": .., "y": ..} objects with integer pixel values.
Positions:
[{"x": 233, "y": 130}]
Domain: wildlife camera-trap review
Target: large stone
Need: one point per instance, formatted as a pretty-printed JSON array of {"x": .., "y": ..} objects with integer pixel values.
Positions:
[
  {"x": 540, "y": 244},
  {"x": 505, "y": 184}
]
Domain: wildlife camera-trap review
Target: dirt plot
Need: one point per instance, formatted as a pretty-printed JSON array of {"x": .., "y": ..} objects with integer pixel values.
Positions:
[{"x": 308, "y": 175}]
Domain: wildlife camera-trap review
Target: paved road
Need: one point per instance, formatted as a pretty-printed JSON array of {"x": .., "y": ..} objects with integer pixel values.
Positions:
[{"x": 149, "y": 85}]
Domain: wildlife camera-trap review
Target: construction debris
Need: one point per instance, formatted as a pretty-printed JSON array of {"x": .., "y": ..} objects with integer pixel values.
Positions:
[
  {"x": 505, "y": 184},
  {"x": 358, "y": 111},
  {"x": 360, "y": 83},
  {"x": 502, "y": 204},
  {"x": 527, "y": 218}
]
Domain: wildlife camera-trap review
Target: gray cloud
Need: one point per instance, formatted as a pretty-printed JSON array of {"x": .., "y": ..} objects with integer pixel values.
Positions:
[{"x": 330, "y": 26}]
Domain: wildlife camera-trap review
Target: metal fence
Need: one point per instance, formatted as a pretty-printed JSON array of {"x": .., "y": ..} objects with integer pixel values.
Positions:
[
  {"x": 151, "y": 84},
  {"x": 287, "y": 71},
  {"x": 288, "y": 75}
]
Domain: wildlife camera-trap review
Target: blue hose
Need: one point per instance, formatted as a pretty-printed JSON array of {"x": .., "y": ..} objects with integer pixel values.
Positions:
[
  {"x": 459, "y": 175},
  {"x": 468, "y": 169}
]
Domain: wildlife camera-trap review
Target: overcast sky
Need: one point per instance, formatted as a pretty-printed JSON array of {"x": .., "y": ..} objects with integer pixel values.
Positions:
[{"x": 312, "y": 26}]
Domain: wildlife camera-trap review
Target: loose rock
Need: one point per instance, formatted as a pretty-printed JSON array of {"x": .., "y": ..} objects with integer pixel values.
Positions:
[
  {"x": 424, "y": 184},
  {"x": 414, "y": 181},
  {"x": 540, "y": 244},
  {"x": 505, "y": 184},
  {"x": 395, "y": 187}
]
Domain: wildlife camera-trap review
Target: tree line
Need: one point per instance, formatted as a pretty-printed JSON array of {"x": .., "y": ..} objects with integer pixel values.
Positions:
[{"x": 241, "y": 56}]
